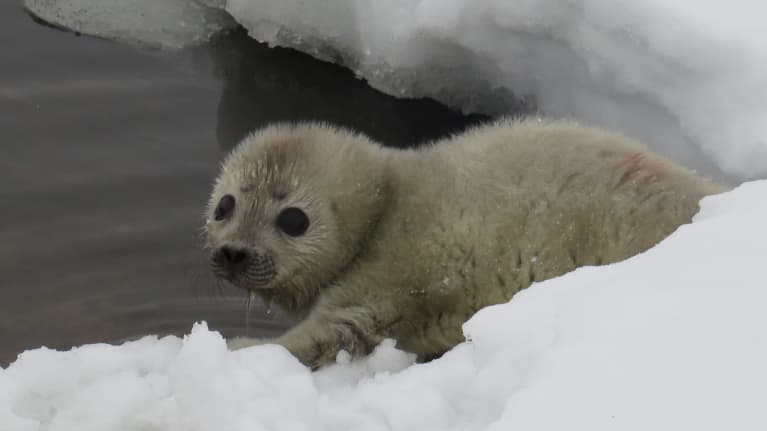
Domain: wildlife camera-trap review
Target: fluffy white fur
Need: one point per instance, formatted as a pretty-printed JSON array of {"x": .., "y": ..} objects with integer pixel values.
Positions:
[{"x": 408, "y": 244}]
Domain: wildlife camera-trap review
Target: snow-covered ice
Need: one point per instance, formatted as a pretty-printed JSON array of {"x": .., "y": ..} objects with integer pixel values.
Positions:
[
  {"x": 161, "y": 23},
  {"x": 688, "y": 77},
  {"x": 684, "y": 76},
  {"x": 674, "y": 338}
]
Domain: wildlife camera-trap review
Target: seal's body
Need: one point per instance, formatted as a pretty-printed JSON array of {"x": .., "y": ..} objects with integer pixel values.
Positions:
[{"x": 364, "y": 243}]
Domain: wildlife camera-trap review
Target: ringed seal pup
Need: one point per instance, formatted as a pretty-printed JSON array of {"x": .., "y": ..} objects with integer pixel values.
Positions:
[{"x": 361, "y": 243}]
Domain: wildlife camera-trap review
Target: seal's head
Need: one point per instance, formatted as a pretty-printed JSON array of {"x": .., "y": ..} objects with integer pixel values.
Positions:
[{"x": 292, "y": 207}]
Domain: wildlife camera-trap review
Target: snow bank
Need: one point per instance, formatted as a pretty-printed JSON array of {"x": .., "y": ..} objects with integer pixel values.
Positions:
[
  {"x": 684, "y": 76},
  {"x": 688, "y": 77},
  {"x": 675, "y": 338}
]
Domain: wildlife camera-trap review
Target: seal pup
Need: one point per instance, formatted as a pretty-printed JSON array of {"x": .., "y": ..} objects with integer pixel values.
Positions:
[{"x": 360, "y": 243}]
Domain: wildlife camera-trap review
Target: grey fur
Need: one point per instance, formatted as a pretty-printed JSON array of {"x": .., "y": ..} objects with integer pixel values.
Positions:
[{"x": 408, "y": 244}]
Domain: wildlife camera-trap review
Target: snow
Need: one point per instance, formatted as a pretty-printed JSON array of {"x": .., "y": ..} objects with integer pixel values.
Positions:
[
  {"x": 674, "y": 338},
  {"x": 696, "y": 71},
  {"x": 687, "y": 77},
  {"x": 161, "y": 23}
]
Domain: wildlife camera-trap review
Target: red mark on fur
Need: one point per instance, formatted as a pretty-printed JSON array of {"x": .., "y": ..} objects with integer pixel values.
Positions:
[{"x": 635, "y": 166}]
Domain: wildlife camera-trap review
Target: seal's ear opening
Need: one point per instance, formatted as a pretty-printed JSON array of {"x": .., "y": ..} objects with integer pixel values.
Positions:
[{"x": 293, "y": 221}]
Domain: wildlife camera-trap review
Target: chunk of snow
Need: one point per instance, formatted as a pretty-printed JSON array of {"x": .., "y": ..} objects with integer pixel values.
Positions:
[
  {"x": 162, "y": 23},
  {"x": 683, "y": 76},
  {"x": 687, "y": 77},
  {"x": 674, "y": 338}
]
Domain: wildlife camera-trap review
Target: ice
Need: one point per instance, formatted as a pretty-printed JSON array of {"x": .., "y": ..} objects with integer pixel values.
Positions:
[
  {"x": 160, "y": 23},
  {"x": 688, "y": 77},
  {"x": 674, "y": 338}
]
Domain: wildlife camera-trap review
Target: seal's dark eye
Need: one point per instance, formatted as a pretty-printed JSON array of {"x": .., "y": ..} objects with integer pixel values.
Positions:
[
  {"x": 224, "y": 208},
  {"x": 293, "y": 221}
]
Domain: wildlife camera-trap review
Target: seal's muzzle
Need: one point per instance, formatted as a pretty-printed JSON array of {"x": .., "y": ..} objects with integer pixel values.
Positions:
[{"x": 244, "y": 268}]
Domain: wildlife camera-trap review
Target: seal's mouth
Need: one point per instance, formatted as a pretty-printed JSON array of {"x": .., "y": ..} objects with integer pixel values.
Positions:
[{"x": 246, "y": 269}]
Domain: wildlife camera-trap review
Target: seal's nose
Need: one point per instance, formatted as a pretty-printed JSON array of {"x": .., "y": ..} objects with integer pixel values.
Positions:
[
  {"x": 234, "y": 256},
  {"x": 232, "y": 259}
]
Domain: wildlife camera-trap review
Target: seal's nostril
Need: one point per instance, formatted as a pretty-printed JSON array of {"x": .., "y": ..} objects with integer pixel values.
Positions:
[
  {"x": 238, "y": 256},
  {"x": 233, "y": 256}
]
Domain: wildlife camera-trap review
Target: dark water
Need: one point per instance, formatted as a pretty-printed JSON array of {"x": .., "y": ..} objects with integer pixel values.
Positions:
[{"x": 107, "y": 153}]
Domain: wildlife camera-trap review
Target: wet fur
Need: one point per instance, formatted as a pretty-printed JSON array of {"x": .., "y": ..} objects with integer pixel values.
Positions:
[{"x": 408, "y": 244}]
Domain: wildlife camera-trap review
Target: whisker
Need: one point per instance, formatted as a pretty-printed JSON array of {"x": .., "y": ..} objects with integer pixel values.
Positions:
[{"x": 251, "y": 297}]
